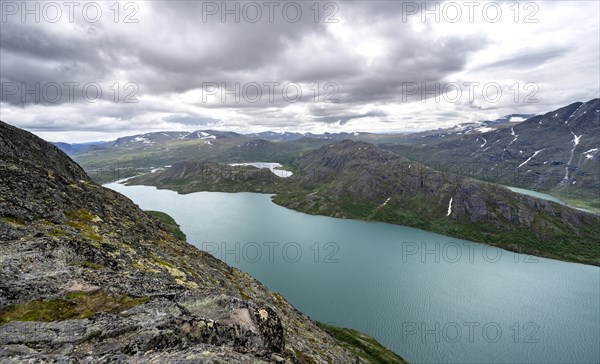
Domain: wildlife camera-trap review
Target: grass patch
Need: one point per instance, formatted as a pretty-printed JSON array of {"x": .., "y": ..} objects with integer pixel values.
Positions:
[
  {"x": 81, "y": 220},
  {"x": 164, "y": 263},
  {"x": 14, "y": 221},
  {"x": 302, "y": 358},
  {"x": 169, "y": 223},
  {"x": 75, "y": 305},
  {"x": 80, "y": 214},
  {"x": 90, "y": 265},
  {"x": 87, "y": 230},
  {"x": 591, "y": 204},
  {"x": 362, "y": 345},
  {"x": 56, "y": 232}
]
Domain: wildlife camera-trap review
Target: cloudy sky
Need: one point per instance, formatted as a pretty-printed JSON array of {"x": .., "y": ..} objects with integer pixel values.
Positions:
[{"x": 95, "y": 71}]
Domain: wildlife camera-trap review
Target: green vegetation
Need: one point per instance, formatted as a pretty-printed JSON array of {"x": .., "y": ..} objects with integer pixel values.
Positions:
[
  {"x": 169, "y": 223},
  {"x": 14, "y": 221},
  {"x": 56, "y": 232},
  {"x": 591, "y": 203},
  {"x": 91, "y": 265},
  {"x": 75, "y": 305},
  {"x": 210, "y": 176},
  {"x": 362, "y": 345},
  {"x": 80, "y": 214},
  {"x": 303, "y": 358},
  {"x": 546, "y": 237},
  {"x": 164, "y": 263},
  {"x": 83, "y": 220}
]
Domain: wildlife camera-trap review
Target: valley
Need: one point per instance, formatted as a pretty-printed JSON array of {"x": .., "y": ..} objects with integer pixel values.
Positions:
[
  {"x": 393, "y": 282},
  {"x": 358, "y": 180},
  {"x": 380, "y": 177},
  {"x": 348, "y": 177},
  {"x": 300, "y": 182}
]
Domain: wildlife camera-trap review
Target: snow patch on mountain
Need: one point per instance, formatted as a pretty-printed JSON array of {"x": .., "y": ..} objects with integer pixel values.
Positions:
[
  {"x": 141, "y": 139},
  {"x": 512, "y": 132},
  {"x": 528, "y": 159},
  {"x": 273, "y": 167},
  {"x": 484, "y": 129},
  {"x": 590, "y": 153},
  {"x": 574, "y": 112},
  {"x": 575, "y": 143}
]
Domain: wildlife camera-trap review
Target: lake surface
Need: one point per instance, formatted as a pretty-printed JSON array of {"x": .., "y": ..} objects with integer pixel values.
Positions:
[
  {"x": 545, "y": 196},
  {"x": 428, "y": 297}
]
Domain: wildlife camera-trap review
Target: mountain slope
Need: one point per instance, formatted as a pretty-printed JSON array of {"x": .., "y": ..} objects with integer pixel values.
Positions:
[
  {"x": 87, "y": 276},
  {"x": 356, "y": 179},
  {"x": 192, "y": 176},
  {"x": 557, "y": 152}
]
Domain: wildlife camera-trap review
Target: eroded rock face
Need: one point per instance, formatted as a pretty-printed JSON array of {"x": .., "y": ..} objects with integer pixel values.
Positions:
[
  {"x": 160, "y": 325},
  {"x": 88, "y": 277}
]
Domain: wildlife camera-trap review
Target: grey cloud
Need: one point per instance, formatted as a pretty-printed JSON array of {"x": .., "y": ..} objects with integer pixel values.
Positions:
[
  {"x": 197, "y": 52},
  {"x": 171, "y": 51},
  {"x": 191, "y": 120},
  {"x": 533, "y": 58},
  {"x": 344, "y": 118}
]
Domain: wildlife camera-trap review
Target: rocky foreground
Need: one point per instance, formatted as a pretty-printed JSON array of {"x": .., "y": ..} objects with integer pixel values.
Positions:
[{"x": 89, "y": 277}]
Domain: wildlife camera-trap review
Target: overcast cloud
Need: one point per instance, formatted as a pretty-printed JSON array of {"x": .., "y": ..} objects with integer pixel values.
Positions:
[{"x": 359, "y": 66}]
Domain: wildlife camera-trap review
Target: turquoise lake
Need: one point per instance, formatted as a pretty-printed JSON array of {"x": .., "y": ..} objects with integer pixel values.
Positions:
[
  {"x": 545, "y": 196},
  {"x": 428, "y": 297}
]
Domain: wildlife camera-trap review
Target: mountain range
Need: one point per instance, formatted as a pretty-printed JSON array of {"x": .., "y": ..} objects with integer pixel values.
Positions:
[
  {"x": 555, "y": 152},
  {"x": 207, "y": 135}
]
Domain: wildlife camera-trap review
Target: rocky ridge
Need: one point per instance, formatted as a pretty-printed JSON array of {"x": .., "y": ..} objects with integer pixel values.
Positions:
[{"x": 89, "y": 277}]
